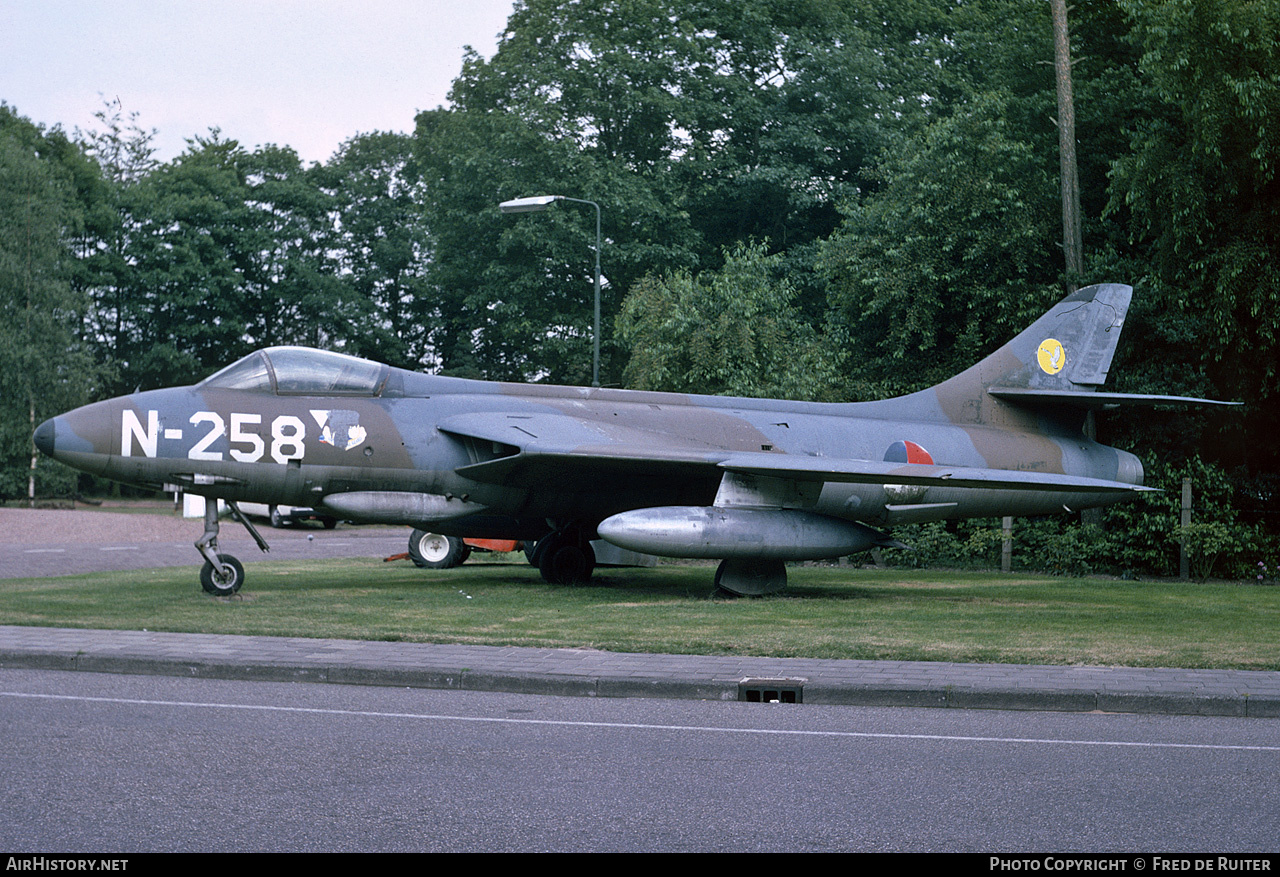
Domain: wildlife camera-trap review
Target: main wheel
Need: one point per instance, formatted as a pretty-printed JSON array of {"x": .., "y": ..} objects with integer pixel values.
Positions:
[
  {"x": 277, "y": 519},
  {"x": 434, "y": 551},
  {"x": 567, "y": 564},
  {"x": 226, "y": 584}
]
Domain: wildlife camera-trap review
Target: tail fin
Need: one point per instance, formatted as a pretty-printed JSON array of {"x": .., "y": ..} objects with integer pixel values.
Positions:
[
  {"x": 1063, "y": 357},
  {"x": 1057, "y": 363}
]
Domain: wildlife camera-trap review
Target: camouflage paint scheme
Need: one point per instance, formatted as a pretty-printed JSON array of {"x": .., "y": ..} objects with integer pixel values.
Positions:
[{"x": 753, "y": 481}]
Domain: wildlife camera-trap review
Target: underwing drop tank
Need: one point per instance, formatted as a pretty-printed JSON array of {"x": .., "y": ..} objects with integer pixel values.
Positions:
[{"x": 712, "y": 532}]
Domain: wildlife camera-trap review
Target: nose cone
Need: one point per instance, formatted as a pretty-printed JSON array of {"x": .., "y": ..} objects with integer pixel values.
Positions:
[
  {"x": 44, "y": 437},
  {"x": 85, "y": 438}
]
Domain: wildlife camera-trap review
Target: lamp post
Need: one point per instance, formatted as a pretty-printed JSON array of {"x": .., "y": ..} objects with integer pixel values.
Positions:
[{"x": 540, "y": 203}]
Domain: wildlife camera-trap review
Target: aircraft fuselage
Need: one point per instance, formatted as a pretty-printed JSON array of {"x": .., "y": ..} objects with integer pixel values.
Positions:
[{"x": 245, "y": 445}]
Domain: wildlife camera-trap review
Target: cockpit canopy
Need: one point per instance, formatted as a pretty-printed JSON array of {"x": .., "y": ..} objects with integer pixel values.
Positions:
[{"x": 301, "y": 371}]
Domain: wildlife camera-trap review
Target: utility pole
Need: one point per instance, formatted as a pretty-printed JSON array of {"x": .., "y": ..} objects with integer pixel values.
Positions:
[{"x": 1072, "y": 239}]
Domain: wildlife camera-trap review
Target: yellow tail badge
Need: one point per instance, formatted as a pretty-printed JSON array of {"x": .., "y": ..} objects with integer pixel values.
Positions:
[{"x": 1051, "y": 356}]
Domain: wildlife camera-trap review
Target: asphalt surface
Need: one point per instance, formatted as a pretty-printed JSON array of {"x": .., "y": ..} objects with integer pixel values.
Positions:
[
  {"x": 579, "y": 671},
  {"x": 49, "y": 542}
]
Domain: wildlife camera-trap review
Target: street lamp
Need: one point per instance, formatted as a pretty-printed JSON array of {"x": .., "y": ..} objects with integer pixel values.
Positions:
[{"x": 542, "y": 202}]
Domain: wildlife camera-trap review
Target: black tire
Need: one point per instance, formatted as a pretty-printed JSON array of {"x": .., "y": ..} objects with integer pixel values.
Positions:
[
  {"x": 226, "y": 584},
  {"x": 570, "y": 564},
  {"x": 329, "y": 523},
  {"x": 277, "y": 519},
  {"x": 434, "y": 551}
]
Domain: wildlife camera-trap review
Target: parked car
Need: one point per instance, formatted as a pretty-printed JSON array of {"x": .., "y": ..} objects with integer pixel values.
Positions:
[{"x": 283, "y": 515}]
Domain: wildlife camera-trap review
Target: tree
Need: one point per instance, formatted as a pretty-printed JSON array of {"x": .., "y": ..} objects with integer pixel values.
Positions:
[
  {"x": 1199, "y": 186},
  {"x": 1072, "y": 243},
  {"x": 45, "y": 368},
  {"x": 947, "y": 260},
  {"x": 123, "y": 153},
  {"x": 227, "y": 251},
  {"x": 696, "y": 126},
  {"x": 383, "y": 245},
  {"x": 286, "y": 261},
  {"x": 948, "y": 254},
  {"x": 736, "y": 332},
  {"x": 184, "y": 300}
]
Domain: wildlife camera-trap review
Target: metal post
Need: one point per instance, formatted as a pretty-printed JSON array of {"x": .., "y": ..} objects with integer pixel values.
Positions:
[
  {"x": 595, "y": 329},
  {"x": 1184, "y": 562},
  {"x": 1006, "y": 545}
]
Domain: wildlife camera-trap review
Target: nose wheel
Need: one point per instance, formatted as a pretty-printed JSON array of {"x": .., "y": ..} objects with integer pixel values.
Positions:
[
  {"x": 226, "y": 582},
  {"x": 222, "y": 574}
]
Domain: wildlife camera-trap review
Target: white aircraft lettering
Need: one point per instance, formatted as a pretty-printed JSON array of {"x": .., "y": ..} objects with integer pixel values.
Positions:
[{"x": 288, "y": 436}]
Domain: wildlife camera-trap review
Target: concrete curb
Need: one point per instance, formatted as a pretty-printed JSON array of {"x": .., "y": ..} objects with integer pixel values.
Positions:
[{"x": 587, "y": 673}]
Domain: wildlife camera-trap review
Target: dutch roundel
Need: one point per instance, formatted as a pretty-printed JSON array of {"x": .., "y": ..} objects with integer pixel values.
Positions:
[{"x": 907, "y": 452}]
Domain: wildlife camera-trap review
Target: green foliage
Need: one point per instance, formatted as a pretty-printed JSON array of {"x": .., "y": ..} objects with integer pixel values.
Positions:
[
  {"x": 1060, "y": 546},
  {"x": 1205, "y": 542},
  {"x": 696, "y": 127},
  {"x": 1199, "y": 184},
  {"x": 973, "y": 544},
  {"x": 511, "y": 296},
  {"x": 227, "y": 250},
  {"x": 1135, "y": 539},
  {"x": 733, "y": 332},
  {"x": 1142, "y": 536},
  {"x": 383, "y": 245},
  {"x": 931, "y": 546},
  {"x": 957, "y": 245},
  {"x": 45, "y": 367},
  {"x": 1226, "y": 550},
  {"x": 948, "y": 259}
]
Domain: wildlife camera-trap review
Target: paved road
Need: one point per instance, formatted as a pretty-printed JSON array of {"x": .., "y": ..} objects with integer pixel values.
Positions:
[{"x": 96, "y": 762}]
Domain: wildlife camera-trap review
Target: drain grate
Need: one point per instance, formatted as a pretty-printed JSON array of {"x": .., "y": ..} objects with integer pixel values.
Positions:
[{"x": 771, "y": 691}]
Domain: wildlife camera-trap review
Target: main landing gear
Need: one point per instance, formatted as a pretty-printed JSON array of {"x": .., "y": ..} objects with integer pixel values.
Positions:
[
  {"x": 565, "y": 557},
  {"x": 222, "y": 575}
]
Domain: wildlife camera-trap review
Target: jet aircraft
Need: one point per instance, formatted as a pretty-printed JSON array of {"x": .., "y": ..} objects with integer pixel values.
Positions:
[{"x": 750, "y": 482}]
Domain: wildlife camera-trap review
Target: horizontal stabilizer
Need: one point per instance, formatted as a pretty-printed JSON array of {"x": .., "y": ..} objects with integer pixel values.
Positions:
[{"x": 1091, "y": 399}]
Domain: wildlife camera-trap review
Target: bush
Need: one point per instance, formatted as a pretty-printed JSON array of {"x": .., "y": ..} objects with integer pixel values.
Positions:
[{"x": 1137, "y": 538}]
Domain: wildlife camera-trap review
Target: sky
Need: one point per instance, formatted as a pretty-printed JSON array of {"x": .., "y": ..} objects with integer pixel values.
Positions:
[{"x": 308, "y": 74}]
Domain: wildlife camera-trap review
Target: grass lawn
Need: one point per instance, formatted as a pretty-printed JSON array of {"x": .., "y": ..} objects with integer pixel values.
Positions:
[{"x": 827, "y": 612}]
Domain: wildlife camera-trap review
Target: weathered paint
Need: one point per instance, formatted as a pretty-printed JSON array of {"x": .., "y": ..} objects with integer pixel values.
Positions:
[{"x": 515, "y": 461}]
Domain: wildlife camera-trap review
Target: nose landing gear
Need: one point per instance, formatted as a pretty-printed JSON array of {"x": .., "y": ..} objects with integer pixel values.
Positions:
[{"x": 222, "y": 574}]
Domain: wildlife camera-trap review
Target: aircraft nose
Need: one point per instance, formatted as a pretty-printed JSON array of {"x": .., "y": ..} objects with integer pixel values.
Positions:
[{"x": 44, "y": 437}]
